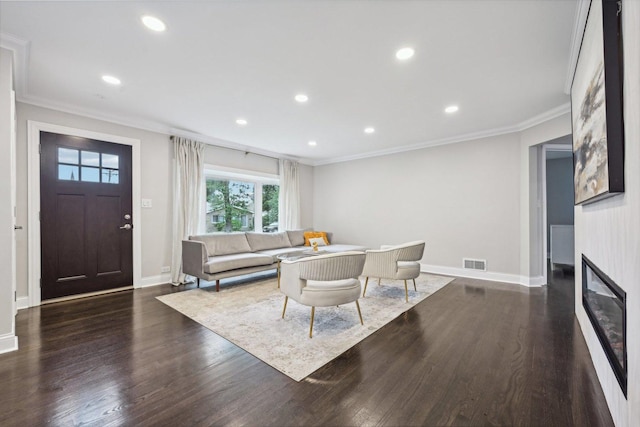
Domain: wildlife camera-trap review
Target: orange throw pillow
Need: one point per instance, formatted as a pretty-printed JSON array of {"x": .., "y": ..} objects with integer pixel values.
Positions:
[{"x": 313, "y": 234}]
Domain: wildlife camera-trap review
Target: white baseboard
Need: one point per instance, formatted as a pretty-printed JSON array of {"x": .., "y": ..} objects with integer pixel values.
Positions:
[
  {"x": 22, "y": 303},
  {"x": 8, "y": 342},
  {"x": 533, "y": 282},
  {"x": 160, "y": 279},
  {"x": 483, "y": 275}
]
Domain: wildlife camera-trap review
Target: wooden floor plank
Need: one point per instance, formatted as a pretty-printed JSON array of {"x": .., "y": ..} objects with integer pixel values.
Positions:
[{"x": 475, "y": 353}]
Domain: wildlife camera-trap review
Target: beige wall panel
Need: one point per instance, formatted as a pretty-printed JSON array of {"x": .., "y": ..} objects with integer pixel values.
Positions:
[{"x": 462, "y": 199}]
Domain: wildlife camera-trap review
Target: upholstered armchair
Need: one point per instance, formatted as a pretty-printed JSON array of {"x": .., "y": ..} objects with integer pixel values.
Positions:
[
  {"x": 398, "y": 262},
  {"x": 322, "y": 281}
]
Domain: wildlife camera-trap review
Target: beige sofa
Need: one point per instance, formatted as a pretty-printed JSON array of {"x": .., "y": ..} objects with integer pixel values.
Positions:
[{"x": 219, "y": 256}]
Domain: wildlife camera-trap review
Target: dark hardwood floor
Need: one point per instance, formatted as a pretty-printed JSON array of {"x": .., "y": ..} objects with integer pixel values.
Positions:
[{"x": 475, "y": 353}]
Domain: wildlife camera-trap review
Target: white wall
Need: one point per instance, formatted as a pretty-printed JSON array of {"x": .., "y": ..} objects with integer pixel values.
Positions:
[
  {"x": 608, "y": 233},
  {"x": 156, "y": 184},
  {"x": 463, "y": 199},
  {"x": 8, "y": 340}
]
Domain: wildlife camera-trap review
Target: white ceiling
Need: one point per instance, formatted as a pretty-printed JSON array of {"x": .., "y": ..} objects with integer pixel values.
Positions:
[{"x": 503, "y": 62}]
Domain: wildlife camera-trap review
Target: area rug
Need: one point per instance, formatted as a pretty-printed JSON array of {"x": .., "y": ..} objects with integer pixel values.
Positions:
[{"x": 249, "y": 316}]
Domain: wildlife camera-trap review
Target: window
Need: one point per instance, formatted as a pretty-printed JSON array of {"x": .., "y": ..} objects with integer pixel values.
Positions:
[
  {"x": 239, "y": 201},
  {"x": 87, "y": 166},
  {"x": 270, "y": 194}
]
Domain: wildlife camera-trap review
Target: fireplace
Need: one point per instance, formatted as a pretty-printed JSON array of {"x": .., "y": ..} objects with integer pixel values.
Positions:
[{"x": 606, "y": 305}]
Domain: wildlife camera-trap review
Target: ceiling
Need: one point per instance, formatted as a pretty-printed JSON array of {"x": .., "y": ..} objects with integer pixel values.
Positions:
[{"x": 504, "y": 63}]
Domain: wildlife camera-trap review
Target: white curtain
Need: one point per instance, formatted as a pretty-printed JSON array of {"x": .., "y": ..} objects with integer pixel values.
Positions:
[
  {"x": 289, "y": 202},
  {"x": 188, "y": 179}
]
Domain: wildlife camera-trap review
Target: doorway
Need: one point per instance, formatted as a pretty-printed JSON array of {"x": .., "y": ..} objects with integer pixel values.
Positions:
[
  {"x": 86, "y": 215},
  {"x": 559, "y": 213}
]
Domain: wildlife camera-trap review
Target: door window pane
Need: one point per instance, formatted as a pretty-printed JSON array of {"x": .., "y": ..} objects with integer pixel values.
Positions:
[
  {"x": 68, "y": 173},
  {"x": 90, "y": 158},
  {"x": 110, "y": 176},
  {"x": 110, "y": 161},
  {"x": 67, "y": 155},
  {"x": 92, "y": 168},
  {"x": 90, "y": 174}
]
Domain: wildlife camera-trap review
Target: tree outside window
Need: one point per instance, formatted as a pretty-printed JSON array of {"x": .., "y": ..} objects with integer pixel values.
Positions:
[
  {"x": 232, "y": 204},
  {"x": 236, "y": 201}
]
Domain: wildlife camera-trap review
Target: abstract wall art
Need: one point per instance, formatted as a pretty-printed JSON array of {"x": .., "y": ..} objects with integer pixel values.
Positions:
[{"x": 596, "y": 106}]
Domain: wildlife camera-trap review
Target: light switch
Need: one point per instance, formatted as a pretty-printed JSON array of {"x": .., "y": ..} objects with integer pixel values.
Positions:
[{"x": 146, "y": 203}]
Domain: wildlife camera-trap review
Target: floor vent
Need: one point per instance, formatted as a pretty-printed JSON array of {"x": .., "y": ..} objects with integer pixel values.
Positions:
[{"x": 474, "y": 264}]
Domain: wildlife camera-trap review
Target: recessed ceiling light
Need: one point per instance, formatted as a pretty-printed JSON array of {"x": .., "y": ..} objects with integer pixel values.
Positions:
[
  {"x": 241, "y": 122},
  {"x": 312, "y": 143},
  {"x": 369, "y": 130},
  {"x": 301, "y": 97},
  {"x": 153, "y": 23},
  {"x": 451, "y": 109},
  {"x": 405, "y": 53},
  {"x": 111, "y": 80}
]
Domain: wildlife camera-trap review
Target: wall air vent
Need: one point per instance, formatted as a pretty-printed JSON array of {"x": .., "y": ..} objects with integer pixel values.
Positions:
[{"x": 474, "y": 264}]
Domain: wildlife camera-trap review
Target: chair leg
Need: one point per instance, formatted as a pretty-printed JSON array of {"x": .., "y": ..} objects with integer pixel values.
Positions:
[
  {"x": 365, "y": 286},
  {"x": 286, "y": 298},
  {"x": 198, "y": 280},
  {"x": 406, "y": 292},
  {"x": 313, "y": 312},
  {"x": 359, "y": 312},
  {"x": 378, "y": 281},
  {"x": 414, "y": 285},
  {"x": 218, "y": 285}
]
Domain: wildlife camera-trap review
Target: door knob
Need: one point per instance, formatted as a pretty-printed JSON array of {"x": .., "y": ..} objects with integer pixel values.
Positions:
[
  {"x": 17, "y": 227},
  {"x": 126, "y": 227}
]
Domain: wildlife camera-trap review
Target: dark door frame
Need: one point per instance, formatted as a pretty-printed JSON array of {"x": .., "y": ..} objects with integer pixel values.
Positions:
[{"x": 33, "y": 191}]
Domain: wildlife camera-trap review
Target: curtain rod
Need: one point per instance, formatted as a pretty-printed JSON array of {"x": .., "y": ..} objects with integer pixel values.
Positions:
[{"x": 246, "y": 152}]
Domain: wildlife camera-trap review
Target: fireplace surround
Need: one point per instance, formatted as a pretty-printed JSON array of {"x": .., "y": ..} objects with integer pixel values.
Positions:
[{"x": 606, "y": 306}]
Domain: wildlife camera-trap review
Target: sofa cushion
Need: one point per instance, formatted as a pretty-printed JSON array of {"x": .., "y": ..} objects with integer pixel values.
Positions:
[
  {"x": 221, "y": 263},
  {"x": 408, "y": 270},
  {"x": 224, "y": 244},
  {"x": 317, "y": 241},
  {"x": 311, "y": 234},
  {"x": 262, "y": 241},
  {"x": 296, "y": 237}
]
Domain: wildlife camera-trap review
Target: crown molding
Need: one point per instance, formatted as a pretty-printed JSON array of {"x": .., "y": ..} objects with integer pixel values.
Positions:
[
  {"x": 418, "y": 146},
  {"x": 534, "y": 121},
  {"x": 544, "y": 117},
  {"x": 582, "y": 10},
  {"x": 21, "y": 54},
  {"x": 149, "y": 125},
  {"x": 161, "y": 128},
  {"x": 21, "y": 49}
]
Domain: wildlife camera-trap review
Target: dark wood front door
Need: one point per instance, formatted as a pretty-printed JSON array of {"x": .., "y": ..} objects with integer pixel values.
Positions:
[{"x": 85, "y": 215}]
